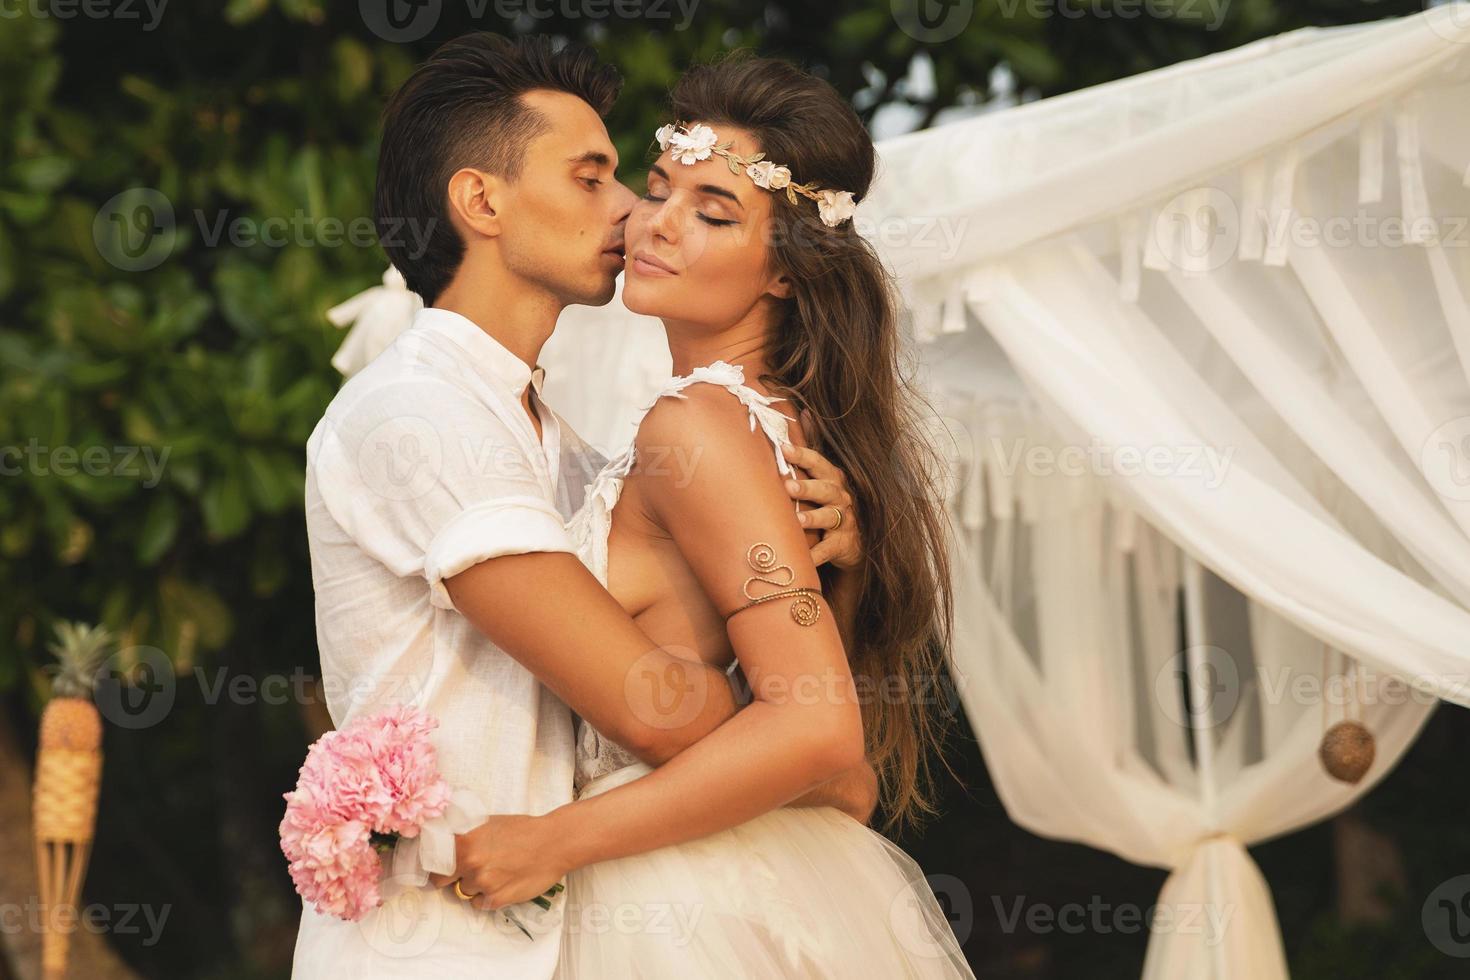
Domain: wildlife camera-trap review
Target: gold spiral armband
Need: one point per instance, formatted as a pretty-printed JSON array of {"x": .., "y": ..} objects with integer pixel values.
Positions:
[{"x": 804, "y": 606}]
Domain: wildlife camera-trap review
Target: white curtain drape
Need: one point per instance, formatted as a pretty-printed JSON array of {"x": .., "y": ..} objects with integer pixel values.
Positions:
[
  {"x": 1200, "y": 344},
  {"x": 1235, "y": 290}
]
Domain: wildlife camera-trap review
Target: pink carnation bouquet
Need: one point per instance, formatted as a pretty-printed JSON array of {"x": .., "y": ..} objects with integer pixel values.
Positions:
[
  {"x": 373, "y": 788},
  {"x": 362, "y": 787}
]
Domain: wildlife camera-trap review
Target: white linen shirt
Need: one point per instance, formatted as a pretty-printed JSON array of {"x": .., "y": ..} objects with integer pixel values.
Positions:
[{"x": 425, "y": 464}]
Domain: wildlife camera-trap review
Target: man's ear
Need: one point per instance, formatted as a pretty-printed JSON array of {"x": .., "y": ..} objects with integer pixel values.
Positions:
[{"x": 475, "y": 200}]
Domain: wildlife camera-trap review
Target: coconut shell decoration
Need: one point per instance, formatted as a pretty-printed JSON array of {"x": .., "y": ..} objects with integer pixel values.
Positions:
[{"x": 1347, "y": 751}]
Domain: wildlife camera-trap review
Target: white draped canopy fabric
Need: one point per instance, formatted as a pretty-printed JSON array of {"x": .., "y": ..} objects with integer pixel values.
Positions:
[
  {"x": 1200, "y": 344},
  {"x": 1235, "y": 291}
]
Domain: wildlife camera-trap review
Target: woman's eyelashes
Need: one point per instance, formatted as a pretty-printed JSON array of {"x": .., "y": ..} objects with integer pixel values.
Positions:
[{"x": 717, "y": 222}]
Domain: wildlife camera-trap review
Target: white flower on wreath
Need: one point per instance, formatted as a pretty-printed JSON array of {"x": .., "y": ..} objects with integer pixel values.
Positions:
[
  {"x": 835, "y": 207},
  {"x": 768, "y": 175},
  {"x": 664, "y": 134},
  {"x": 695, "y": 145}
]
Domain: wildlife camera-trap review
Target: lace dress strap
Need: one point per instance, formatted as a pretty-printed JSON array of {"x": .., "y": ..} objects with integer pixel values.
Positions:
[{"x": 731, "y": 377}]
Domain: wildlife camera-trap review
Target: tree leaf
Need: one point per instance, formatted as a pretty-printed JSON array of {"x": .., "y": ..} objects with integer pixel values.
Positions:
[
  {"x": 226, "y": 507},
  {"x": 240, "y": 12},
  {"x": 42, "y": 174},
  {"x": 182, "y": 602},
  {"x": 270, "y": 481},
  {"x": 160, "y": 527}
]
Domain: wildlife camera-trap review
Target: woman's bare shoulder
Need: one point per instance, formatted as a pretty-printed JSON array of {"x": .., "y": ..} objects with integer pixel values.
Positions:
[{"x": 705, "y": 439}]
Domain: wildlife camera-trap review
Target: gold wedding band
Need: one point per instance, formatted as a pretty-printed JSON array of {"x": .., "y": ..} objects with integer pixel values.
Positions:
[
  {"x": 839, "y": 517},
  {"x": 460, "y": 891}
]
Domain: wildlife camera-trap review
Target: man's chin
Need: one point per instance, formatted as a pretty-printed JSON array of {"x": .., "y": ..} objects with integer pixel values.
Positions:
[{"x": 600, "y": 295}]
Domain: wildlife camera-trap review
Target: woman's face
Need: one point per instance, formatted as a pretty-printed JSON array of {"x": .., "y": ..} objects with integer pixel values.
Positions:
[{"x": 697, "y": 242}]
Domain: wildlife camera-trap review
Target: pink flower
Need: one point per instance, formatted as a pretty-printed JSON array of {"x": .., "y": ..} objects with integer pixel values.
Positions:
[
  {"x": 333, "y": 866},
  {"x": 377, "y": 774},
  {"x": 406, "y": 781}
]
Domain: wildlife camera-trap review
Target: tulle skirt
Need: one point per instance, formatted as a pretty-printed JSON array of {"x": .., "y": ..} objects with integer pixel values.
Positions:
[{"x": 800, "y": 892}]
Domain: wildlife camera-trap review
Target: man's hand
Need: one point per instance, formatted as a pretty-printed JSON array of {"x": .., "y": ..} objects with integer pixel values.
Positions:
[
  {"x": 506, "y": 860},
  {"x": 833, "y": 515},
  {"x": 854, "y": 792}
]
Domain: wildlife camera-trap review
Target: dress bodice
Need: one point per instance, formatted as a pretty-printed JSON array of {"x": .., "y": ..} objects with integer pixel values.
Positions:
[{"x": 591, "y": 525}]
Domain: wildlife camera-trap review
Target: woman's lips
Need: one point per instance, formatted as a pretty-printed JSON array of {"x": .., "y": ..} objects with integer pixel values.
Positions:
[{"x": 647, "y": 264}]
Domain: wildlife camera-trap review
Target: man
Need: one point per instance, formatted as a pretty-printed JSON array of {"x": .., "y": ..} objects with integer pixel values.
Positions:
[{"x": 438, "y": 482}]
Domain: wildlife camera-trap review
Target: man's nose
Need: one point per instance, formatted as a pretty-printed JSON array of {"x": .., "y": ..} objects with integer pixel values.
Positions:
[{"x": 624, "y": 205}]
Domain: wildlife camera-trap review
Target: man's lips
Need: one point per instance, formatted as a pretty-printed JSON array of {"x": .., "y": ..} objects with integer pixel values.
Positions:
[
  {"x": 647, "y": 264},
  {"x": 615, "y": 252}
]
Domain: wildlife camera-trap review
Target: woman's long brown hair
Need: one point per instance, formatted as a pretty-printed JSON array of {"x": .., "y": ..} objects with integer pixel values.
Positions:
[{"x": 836, "y": 353}]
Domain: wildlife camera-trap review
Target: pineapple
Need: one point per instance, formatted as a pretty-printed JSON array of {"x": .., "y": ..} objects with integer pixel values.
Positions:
[
  {"x": 71, "y": 720},
  {"x": 68, "y": 777}
]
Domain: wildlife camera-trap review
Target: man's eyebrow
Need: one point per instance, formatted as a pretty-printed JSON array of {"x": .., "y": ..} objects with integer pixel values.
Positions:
[
  {"x": 592, "y": 156},
  {"x": 702, "y": 188}
]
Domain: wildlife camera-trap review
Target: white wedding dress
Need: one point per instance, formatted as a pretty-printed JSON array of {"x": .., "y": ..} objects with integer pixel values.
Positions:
[{"x": 799, "y": 892}]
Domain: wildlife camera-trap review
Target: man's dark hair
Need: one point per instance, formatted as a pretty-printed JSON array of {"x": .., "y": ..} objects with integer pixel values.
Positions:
[{"x": 463, "y": 108}]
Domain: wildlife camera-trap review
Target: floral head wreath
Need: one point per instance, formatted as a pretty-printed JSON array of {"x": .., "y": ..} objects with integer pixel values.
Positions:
[{"x": 692, "y": 144}]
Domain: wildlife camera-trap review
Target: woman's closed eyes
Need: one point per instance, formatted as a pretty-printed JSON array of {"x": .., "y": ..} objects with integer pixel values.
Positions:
[{"x": 717, "y": 222}]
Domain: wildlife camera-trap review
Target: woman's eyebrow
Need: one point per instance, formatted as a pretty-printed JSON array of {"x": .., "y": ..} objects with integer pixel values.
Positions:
[
  {"x": 720, "y": 192},
  {"x": 703, "y": 188}
]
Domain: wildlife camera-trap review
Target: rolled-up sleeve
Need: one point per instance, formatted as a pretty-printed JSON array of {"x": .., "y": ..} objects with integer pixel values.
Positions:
[
  {"x": 491, "y": 530},
  {"x": 431, "y": 482}
]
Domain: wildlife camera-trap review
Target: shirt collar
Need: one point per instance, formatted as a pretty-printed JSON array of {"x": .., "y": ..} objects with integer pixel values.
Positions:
[{"x": 488, "y": 356}]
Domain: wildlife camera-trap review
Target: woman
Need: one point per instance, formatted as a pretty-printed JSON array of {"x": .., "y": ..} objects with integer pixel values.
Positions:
[{"x": 773, "y": 304}]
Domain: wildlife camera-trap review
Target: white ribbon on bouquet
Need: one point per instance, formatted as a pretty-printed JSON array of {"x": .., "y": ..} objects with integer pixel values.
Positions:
[{"x": 433, "y": 852}]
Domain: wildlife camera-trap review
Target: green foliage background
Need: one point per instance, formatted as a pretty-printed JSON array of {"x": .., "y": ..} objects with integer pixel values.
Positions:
[{"x": 218, "y": 355}]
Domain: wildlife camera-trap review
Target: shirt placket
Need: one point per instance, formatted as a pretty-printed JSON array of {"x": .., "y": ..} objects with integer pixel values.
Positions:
[{"x": 550, "y": 444}]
